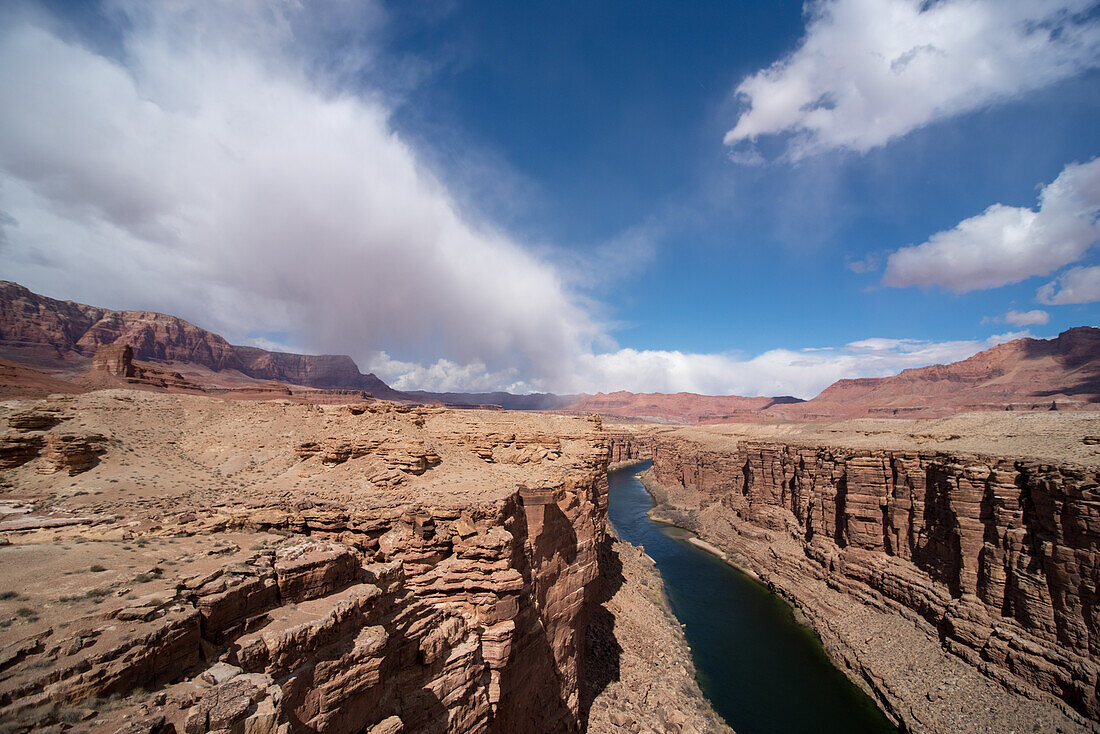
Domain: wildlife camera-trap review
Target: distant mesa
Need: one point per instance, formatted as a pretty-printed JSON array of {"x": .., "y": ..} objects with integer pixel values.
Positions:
[
  {"x": 1025, "y": 374},
  {"x": 64, "y": 337},
  {"x": 72, "y": 347}
]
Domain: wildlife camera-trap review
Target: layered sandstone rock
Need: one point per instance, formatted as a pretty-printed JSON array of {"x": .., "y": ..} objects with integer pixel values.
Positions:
[
  {"x": 1024, "y": 374},
  {"x": 114, "y": 366},
  {"x": 211, "y": 574},
  {"x": 992, "y": 554},
  {"x": 62, "y": 334},
  {"x": 30, "y": 437},
  {"x": 625, "y": 447}
]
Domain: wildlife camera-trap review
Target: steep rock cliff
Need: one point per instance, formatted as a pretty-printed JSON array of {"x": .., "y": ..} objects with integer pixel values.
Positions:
[
  {"x": 248, "y": 582},
  {"x": 995, "y": 555}
]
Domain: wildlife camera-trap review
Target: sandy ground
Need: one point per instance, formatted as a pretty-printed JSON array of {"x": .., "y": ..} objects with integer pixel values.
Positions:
[{"x": 165, "y": 451}]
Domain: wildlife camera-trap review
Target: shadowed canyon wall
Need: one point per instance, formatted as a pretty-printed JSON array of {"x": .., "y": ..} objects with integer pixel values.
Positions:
[{"x": 473, "y": 623}]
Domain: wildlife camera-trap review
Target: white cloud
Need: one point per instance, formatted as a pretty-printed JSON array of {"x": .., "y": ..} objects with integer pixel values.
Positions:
[
  {"x": 1076, "y": 285},
  {"x": 802, "y": 373},
  {"x": 869, "y": 71},
  {"x": 1037, "y": 317},
  {"x": 868, "y": 263},
  {"x": 444, "y": 375},
  {"x": 626, "y": 255},
  {"x": 211, "y": 175},
  {"x": 1007, "y": 244}
]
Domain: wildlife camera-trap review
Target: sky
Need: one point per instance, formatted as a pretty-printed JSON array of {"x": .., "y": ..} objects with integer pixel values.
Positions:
[{"x": 753, "y": 198}]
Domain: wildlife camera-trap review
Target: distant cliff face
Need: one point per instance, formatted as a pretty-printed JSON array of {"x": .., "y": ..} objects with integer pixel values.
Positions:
[
  {"x": 336, "y": 371},
  {"x": 682, "y": 407},
  {"x": 1025, "y": 374},
  {"x": 40, "y": 330}
]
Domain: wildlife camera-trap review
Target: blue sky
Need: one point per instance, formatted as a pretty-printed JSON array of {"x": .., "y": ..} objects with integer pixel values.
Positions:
[{"x": 752, "y": 198}]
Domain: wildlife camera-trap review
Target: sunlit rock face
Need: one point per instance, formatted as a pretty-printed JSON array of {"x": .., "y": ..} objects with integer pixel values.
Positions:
[
  {"x": 211, "y": 574},
  {"x": 994, "y": 554}
]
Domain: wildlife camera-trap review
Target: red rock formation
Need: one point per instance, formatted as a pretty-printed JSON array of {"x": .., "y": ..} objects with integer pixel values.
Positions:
[
  {"x": 627, "y": 446},
  {"x": 454, "y": 603},
  {"x": 997, "y": 554},
  {"x": 30, "y": 438},
  {"x": 1025, "y": 374},
  {"x": 38, "y": 330},
  {"x": 114, "y": 359},
  {"x": 475, "y": 629},
  {"x": 114, "y": 365}
]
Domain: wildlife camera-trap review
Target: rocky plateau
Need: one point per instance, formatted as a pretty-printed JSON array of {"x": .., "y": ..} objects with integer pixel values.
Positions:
[{"x": 202, "y": 537}]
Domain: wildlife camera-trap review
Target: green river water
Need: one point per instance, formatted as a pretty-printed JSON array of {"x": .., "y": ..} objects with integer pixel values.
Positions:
[{"x": 762, "y": 670}]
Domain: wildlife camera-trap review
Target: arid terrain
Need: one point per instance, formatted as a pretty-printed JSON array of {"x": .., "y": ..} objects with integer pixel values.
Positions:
[
  {"x": 205, "y": 564},
  {"x": 380, "y": 367},
  {"x": 196, "y": 537}
]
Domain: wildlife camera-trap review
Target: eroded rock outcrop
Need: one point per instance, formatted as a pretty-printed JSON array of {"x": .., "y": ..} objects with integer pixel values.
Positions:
[
  {"x": 31, "y": 436},
  {"x": 625, "y": 447},
  {"x": 114, "y": 366},
  {"x": 996, "y": 556},
  {"x": 288, "y": 593}
]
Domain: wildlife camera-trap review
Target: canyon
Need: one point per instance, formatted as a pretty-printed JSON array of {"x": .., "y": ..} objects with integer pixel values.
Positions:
[
  {"x": 203, "y": 537},
  {"x": 949, "y": 566},
  {"x": 177, "y": 562}
]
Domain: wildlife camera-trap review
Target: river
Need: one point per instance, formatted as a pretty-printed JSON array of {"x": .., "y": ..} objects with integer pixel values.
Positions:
[{"x": 762, "y": 670}]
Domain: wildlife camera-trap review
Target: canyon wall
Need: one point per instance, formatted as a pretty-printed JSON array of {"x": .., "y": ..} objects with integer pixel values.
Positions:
[
  {"x": 627, "y": 446},
  {"x": 996, "y": 556},
  {"x": 398, "y": 570}
]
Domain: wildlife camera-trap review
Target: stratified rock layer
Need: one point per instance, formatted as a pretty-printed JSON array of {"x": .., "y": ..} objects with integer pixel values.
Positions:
[
  {"x": 231, "y": 567},
  {"x": 996, "y": 555},
  {"x": 38, "y": 330}
]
